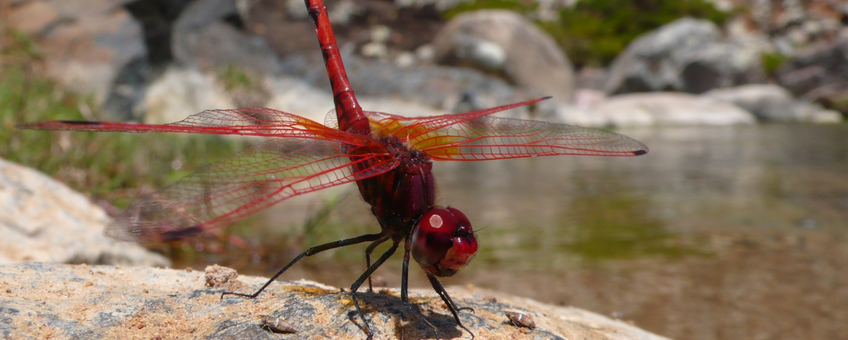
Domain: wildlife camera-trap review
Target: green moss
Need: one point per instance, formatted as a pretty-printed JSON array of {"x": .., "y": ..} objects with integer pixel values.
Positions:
[
  {"x": 235, "y": 78},
  {"x": 593, "y": 32},
  {"x": 522, "y": 7},
  {"x": 773, "y": 61}
]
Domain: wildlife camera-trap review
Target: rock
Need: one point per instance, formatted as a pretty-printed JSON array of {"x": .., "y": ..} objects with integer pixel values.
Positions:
[
  {"x": 686, "y": 55},
  {"x": 399, "y": 107},
  {"x": 592, "y": 78},
  {"x": 772, "y": 103},
  {"x": 582, "y": 116},
  {"x": 202, "y": 38},
  {"x": 442, "y": 88},
  {"x": 508, "y": 43},
  {"x": 181, "y": 92},
  {"x": 43, "y": 220},
  {"x": 41, "y": 300},
  {"x": 298, "y": 97},
  {"x": 94, "y": 46},
  {"x": 767, "y": 102},
  {"x": 668, "y": 108},
  {"x": 817, "y": 73},
  {"x": 375, "y": 50}
]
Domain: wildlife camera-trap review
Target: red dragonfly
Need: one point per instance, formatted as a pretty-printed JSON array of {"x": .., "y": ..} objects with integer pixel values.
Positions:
[{"x": 388, "y": 156}]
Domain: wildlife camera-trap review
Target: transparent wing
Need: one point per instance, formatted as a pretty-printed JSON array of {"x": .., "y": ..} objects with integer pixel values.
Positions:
[
  {"x": 386, "y": 124},
  {"x": 478, "y": 136},
  {"x": 246, "y": 183},
  {"x": 254, "y": 121},
  {"x": 489, "y": 138}
]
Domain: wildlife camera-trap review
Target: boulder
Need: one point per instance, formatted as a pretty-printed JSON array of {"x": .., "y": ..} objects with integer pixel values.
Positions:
[
  {"x": 183, "y": 91},
  {"x": 44, "y": 220},
  {"x": 686, "y": 55},
  {"x": 667, "y": 108},
  {"x": 203, "y": 38},
  {"x": 443, "y": 88},
  {"x": 40, "y": 300},
  {"x": 507, "y": 43},
  {"x": 773, "y": 103},
  {"x": 818, "y": 73},
  {"x": 298, "y": 97},
  {"x": 93, "y": 46}
]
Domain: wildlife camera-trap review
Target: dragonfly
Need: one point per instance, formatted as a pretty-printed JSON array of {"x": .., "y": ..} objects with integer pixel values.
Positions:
[{"x": 389, "y": 157}]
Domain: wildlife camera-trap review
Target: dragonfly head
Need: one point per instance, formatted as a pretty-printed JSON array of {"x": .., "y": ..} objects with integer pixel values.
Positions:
[{"x": 443, "y": 241}]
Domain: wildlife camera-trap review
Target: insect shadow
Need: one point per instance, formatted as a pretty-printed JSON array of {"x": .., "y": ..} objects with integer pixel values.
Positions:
[{"x": 410, "y": 321}]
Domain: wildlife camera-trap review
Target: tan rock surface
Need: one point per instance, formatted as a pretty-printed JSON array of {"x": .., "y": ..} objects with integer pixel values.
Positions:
[{"x": 41, "y": 300}]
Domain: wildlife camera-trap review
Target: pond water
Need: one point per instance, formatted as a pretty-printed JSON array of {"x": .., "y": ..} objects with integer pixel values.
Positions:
[{"x": 717, "y": 233}]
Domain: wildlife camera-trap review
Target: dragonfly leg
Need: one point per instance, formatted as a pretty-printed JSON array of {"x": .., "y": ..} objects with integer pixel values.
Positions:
[
  {"x": 368, "y": 252},
  {"x": 310, "y": 252},
  {"x": 404, "y": 284},
  {"x": 359, "y": 281},
  {"x": 437, "y": 286}
]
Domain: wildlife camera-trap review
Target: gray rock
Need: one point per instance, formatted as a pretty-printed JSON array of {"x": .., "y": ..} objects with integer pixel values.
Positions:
[
  {"x": 202, "y": 38},
  {"x": 92, "y": 45},
  {"x": 686, "y": 55},
  {"x": 102, "y": 302},
  {"x": 767, "y": 102},
  {"x": 506, "y": 42},
  {"x": 773, "y": 103},
  {"x": 667, "y": 108},
  {"x": 43, "y": 220},
  {"x": 443, "y": 88},
  {"x": 817, "y": 73}
]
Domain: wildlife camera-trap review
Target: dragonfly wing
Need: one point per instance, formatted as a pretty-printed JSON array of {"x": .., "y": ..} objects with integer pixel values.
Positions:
[
  {"x": 246, "y": 183},
  {"x": 254, "y": 121},
  {"x": 413, "y": 127},
  {"x": 489, "y": 138}
]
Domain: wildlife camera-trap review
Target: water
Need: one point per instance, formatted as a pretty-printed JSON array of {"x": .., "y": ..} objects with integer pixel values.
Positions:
[
  {"x": 717, "y": 233},
  {"x": 694, "y": 179}
]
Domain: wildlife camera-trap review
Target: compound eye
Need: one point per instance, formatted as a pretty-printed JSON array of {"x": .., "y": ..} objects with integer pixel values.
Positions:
[{"x": 443, "y": 241}]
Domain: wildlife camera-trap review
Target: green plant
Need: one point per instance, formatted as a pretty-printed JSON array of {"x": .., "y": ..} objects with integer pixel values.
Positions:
[
  {"x": 114, "y": 166},
  {"x": 773, "y": 61},
  {"x": 522, "y": 7}
]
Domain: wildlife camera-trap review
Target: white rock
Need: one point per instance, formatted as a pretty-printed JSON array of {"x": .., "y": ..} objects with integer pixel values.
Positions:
[
  {"x": 766, "y": 101},
  {"x": 405, "y": 59},
  {"x": 375, "y": 50},
  {"x": 582, "y": 116},
  {"x": 380, "y": 33},
  {"x": 668, "y": 108},
  {"x": 773, "y": 103},
  {"x": 181, "y": 92},
  {"x": 42, "y": 220},
  {"x": 826, "y": 117},
  {"x": 297, "y": 97}
]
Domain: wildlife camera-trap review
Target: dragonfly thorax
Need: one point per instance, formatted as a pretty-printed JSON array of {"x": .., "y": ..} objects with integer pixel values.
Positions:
[{"x": 411, "y": 161}]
